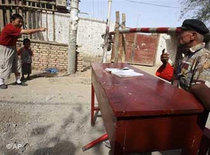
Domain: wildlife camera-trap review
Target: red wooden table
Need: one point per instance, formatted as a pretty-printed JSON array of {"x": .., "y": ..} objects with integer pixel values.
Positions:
[{"x": 144, "y": 113}]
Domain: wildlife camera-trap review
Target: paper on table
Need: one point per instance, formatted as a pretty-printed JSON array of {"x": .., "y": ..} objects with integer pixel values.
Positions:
[{"x": 123, "y": 72}]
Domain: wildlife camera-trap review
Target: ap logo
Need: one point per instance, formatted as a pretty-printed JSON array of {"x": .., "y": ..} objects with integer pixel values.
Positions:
[{"x": 14, "y": 146}]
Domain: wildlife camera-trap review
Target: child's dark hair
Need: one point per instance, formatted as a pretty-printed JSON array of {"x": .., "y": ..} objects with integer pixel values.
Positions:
[
  {"x": 15, "y": 16},
  {"x": 26, "y": 40}
]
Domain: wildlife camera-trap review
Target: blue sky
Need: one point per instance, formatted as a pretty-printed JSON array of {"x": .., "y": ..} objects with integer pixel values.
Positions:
[{"x": 139, "y": 13}]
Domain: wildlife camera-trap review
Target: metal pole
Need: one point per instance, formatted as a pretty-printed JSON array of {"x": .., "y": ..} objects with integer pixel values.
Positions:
[
  {"x": 150, "y": 30},
  {"x": 73, "y": 36},
  {"x": 105, "y": 46}
]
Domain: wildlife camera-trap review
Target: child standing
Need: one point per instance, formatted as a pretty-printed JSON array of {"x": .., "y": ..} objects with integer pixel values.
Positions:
[
  {"x": 26, "y": 58},
  {"x": 8, "y": 55}
]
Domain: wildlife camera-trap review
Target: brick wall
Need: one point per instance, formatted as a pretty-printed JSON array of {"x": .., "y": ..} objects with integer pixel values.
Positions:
[{"x": 51, "y": 55}]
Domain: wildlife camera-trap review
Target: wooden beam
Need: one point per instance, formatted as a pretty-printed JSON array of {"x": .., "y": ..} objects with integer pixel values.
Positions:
[
  {"x": 13, "y": 8},
  {"x": 116, "y": 42},
  {"x": 1, "y": 17},
  {"x": 47, "y": 26},
  {"x": 35, "y": 22},
  {"x": 42, "y": 2},
  {"x": 133, "y": 47},
  {"x": 53, "y": 20},
  {"x": 24, "y": 6},
  {"x": 7, "y": 13},
  {"x": 27, "y": 17},
  {"x": 123, "y": 38}
]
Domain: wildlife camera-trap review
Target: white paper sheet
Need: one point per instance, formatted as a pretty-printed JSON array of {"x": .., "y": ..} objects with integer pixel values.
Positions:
[{"x": 123, "y": 72}]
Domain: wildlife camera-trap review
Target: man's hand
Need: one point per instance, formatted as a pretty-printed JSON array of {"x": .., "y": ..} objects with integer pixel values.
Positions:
[
  {"x": 42, "y": 29},
  {"x": 164, "y": 57},
  {"x": 202, "y": 92}
]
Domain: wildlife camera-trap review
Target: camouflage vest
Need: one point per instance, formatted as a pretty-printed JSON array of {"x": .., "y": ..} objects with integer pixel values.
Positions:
[{"x": 194, "y": 67}]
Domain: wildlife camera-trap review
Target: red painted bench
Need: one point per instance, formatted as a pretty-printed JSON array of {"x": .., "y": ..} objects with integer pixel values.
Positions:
[{"x": 205, "y": 143}]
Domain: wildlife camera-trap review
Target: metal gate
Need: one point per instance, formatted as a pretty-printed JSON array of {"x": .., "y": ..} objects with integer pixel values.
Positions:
[{"x": 139, "y": 49}]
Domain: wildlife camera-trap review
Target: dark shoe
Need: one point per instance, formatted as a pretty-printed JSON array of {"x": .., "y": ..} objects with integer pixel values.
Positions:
[
  {"x": 21, "y": 84},
  {"x": 3, "y": 86},
  {"x": 28, "y": 78},
  {"x": 22, "y": 79}
]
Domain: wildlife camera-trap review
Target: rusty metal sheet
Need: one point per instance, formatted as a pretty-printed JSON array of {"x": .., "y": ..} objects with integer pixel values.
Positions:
[{"x": 139, "y": 48}]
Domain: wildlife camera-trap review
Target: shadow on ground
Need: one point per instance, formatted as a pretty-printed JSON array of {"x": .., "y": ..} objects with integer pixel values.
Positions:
[
  {"x": 40, "y": 130},
  {"x": 61, "y": 148}
]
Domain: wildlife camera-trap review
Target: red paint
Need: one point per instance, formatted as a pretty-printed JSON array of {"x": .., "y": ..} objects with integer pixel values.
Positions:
[
  {"x": 144, "y": 113},
  {"x": 132, "y": 30},
  {"x": 162, "y": 30},
  {"x": 178, "y": 30},
  {"x": 145, "y": 29}
]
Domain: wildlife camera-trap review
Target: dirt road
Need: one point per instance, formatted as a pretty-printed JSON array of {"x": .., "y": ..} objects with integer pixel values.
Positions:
[{"x": 50, "y": 116}]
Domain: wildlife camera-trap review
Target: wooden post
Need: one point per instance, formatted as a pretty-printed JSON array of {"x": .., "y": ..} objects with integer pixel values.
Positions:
[
  {"x": 7, "y": 13},
  {"x": 1, "y": 17},
  {"x": 46, "y": 22},
  {"x": 123, "y": 38},
  {"x": 133, "y": 47},
  {"x": 28, "y": 17},
  {"x": 47, "y": 25},
  {"x": 35, "y": 21},
  {"x": 116, "y": 42},
  {"x": 13, "y": 10},
  {"x": 20, "y": 11},
  {"x": 53, "y": 20}
]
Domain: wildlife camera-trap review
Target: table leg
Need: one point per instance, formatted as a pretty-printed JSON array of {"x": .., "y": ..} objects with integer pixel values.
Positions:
[
  {"x": 96, "y": 141},
  {"x": 191, "y": 150},
  {"x": 204, "y": 146},
  {"x": 205, "y": 143},
  {"x": 92, "y": 105}
]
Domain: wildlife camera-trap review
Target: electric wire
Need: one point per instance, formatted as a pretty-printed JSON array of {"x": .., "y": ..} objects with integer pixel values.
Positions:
[{"x": 153, "y": 4}]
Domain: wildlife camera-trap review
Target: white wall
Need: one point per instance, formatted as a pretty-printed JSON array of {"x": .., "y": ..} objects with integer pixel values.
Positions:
[
  {"x": 169, "y": 43},
  {"x": 89, "y": 35}
]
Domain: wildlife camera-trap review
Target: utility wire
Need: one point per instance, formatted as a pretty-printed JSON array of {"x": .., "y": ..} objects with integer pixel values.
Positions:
[{"x": 146, "y": 3}]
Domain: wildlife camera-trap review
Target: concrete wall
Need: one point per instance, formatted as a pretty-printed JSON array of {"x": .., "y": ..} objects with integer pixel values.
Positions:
[{"x": 88, "y": 36}]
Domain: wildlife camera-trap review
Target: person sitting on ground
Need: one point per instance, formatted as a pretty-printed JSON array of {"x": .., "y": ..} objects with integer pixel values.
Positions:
[
  {"x": 194, "y": 67},
  {"x": 8, "y": 55},
  {"x": 26, "y": 58}
]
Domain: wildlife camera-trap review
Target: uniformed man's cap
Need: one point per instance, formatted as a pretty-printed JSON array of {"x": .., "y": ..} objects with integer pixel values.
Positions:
[{"x": 196, "y": 25}]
